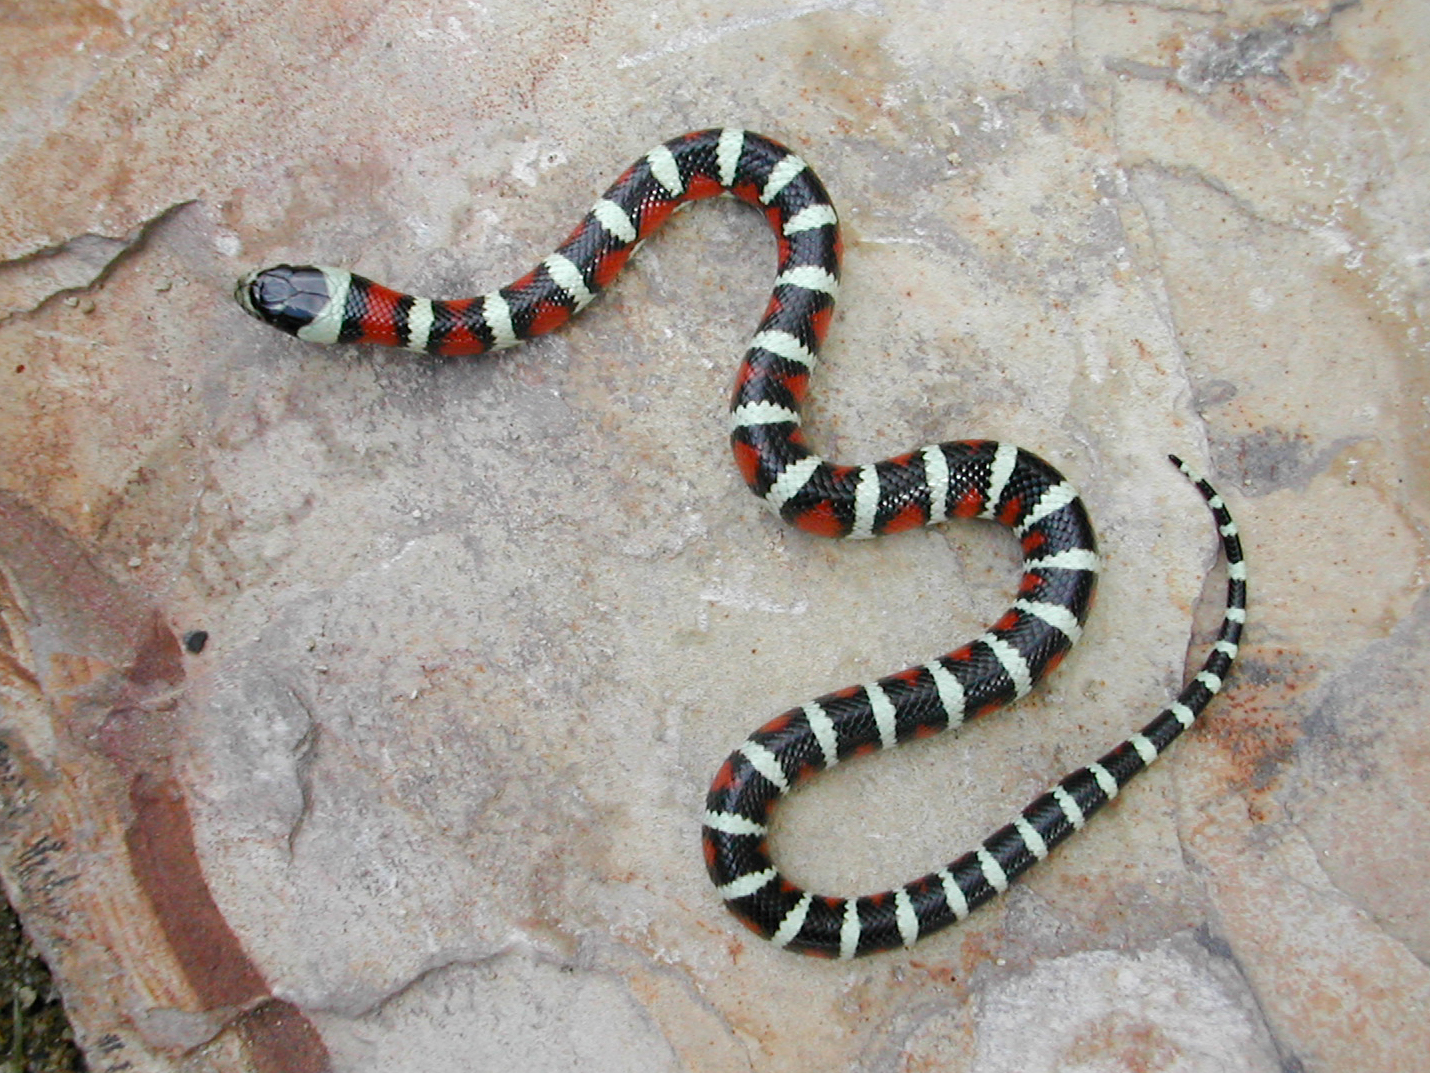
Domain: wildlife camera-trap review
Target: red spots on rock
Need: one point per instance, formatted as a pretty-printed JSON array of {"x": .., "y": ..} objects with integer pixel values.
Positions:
[
  {"x": 911, "y": 517},
  {"x": 747, "y": 460},
  {"x": 1012, "y": 511},
  {"x": 821, "y": 519}
]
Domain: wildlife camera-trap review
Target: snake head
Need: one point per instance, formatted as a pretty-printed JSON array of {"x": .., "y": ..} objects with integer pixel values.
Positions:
[{"x": 289, "y": 297}]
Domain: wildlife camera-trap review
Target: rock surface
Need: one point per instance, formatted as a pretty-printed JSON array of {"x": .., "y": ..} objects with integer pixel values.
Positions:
[{"x": 480, "y": 633}]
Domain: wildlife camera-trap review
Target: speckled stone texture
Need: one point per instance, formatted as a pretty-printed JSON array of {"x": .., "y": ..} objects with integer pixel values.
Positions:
[{"x": 481, "y": 632}]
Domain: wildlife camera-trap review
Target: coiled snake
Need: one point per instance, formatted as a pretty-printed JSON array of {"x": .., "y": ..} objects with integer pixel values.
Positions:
[{"x": 965, "y": 479}]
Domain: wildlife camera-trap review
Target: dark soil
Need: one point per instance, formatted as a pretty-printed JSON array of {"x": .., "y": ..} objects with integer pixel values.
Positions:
[{"x": 35, "y": 1035}]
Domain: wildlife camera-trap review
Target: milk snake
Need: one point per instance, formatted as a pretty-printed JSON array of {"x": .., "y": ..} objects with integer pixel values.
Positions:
[{"x": 965, "y": 479}]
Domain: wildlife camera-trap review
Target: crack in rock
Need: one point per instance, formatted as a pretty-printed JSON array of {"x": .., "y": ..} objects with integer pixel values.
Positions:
[
  {"x": 1209, "y": 58},
  {"x": 72, "y": 267},
  {"x": 305, "y": 755}
]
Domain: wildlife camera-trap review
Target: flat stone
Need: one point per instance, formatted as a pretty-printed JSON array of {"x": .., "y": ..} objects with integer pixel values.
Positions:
[{"x": 480, "y": 632}]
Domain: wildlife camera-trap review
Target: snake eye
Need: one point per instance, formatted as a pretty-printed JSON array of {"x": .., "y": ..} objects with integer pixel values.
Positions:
[{"x": 288, "y": 297}]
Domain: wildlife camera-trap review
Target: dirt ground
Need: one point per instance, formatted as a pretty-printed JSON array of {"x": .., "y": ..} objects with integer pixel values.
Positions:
[{"x": 35, "y": 1035}]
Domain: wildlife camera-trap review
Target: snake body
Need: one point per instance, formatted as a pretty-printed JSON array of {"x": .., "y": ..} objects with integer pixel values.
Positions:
[{"x": 965, "y": 479}]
